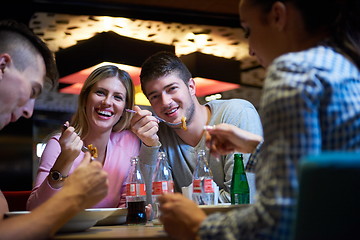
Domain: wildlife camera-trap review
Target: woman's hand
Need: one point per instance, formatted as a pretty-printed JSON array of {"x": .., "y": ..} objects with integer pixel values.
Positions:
[{"x": 70, "y": 143}]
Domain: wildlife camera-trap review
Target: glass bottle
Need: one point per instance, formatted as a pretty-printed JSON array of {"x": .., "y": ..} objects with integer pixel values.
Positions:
[
  {"x": 239, "y": 190},
  {"x": 135, "y": 195},
  {"x": 203, "y": 190},
  {"x": 162, "y": 181}
]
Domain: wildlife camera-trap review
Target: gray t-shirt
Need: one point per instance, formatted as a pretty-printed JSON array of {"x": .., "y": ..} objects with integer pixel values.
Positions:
[{"x": 182, "y": 157}]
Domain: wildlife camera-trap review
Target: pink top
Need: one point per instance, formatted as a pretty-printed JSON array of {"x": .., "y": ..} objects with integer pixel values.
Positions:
[{"x": 120, "y": 148}]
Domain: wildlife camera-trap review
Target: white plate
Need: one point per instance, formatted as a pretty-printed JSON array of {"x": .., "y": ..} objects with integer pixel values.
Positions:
[
  {"x": 210, "y": 209},
  {"x": 115, "y": 218},
  {"x": 80, "y": 222}
]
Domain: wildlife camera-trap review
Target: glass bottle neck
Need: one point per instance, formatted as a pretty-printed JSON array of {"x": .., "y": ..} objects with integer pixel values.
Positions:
[{"x": 238, "y": 164}]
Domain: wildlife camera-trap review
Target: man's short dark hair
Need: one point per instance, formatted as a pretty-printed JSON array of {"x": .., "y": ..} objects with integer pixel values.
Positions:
[
  {"x": 161, "y": 64},
  {"x": 15, "y": 36}
]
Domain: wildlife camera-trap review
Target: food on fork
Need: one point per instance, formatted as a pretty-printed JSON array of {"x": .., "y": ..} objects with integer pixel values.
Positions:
[
  {"x": 90, "y": 148},
  {"x": 183, "y": 123},
  {"x": 93, "y": 151}
]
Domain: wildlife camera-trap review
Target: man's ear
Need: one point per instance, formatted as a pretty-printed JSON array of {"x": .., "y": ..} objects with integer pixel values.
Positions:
[
  {"x": 4, "y": 60},
  {"x": 192, "y": 86},
  {"x": 278, "y": 15}
]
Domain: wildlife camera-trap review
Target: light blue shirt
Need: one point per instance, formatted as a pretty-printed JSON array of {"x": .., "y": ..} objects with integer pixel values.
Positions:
[{"x": 182, "y": 157}]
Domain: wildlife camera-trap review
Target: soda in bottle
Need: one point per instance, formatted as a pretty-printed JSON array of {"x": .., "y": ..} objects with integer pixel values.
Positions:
[
  {"x": 239, "y": 190},
  {"x": 135, "y": 195},
  {"x": 162, "y": 181},
  {"x": 203, "y": 190}
]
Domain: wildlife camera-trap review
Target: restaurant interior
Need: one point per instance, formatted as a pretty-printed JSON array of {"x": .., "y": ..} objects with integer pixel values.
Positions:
[{"x": 205, "y": 34}]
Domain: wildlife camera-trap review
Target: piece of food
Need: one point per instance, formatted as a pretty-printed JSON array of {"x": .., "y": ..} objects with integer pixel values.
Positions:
[
  {"x": 183, "y": 121},
  {"x": 93, "y": 151}
]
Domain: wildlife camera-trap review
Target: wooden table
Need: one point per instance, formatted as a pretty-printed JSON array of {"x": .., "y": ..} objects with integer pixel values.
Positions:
[{"x": 134, "y": 232}]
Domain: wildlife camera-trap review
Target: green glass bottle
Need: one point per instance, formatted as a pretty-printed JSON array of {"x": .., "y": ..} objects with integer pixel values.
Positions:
[{"x": 239, "y": 190}]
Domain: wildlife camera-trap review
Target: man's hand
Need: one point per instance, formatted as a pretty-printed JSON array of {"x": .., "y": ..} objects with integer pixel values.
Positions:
[
  {"x": 145, "y": 126},
  {"x": 181, "y": 216},
  {"x": 88, "y": 181}
]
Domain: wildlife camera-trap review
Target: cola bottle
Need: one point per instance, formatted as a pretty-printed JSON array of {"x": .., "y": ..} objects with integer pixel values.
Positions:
[
  {"x": 135, "y": 195},
  {"x": 162, "y": 181},
  {"x": 203, "y": 190}
]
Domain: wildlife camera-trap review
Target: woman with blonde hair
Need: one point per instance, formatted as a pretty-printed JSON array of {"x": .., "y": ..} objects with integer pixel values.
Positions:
[{"x": 100, "y": 121}]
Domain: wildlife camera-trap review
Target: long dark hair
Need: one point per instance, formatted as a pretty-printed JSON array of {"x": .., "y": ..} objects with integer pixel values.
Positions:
[{"x": 341, "y": 18}]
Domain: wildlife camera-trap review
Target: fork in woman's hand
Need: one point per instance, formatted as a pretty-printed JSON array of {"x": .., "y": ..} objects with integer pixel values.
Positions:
[{"x": 83, "y": 148}]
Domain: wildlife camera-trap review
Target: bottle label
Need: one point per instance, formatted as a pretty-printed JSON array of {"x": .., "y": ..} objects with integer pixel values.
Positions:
[
  {"x": 170, "y": 186},
  {"x": 208, "y": 186},
  {"x": 162, "y": 187},
  {"x": 197, "y": 186},
  {"x": 240, "y": 198},
  {"x": 135, "y": 189}
]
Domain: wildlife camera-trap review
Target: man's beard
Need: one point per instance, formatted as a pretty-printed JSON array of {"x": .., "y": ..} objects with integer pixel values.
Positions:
[{"x": 189, "y": 114}]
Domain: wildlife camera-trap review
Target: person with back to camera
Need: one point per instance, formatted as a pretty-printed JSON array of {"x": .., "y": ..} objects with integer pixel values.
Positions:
[
  {"x": 25, "y": 64},
  {"x": 167, "y": 83},
  {"x": 100, "y": 121},
  {"x": 310, "y": 104}
]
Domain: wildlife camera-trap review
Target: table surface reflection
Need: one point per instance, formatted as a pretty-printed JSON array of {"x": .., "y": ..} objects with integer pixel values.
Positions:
[{"x": 133, "y": 232}]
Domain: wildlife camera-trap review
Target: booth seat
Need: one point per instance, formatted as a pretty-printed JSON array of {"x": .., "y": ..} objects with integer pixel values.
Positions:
[{"x": 17, "y": 199}]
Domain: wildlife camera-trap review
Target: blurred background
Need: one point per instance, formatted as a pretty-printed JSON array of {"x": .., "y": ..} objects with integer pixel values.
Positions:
[{"x": 84, "y": 34}]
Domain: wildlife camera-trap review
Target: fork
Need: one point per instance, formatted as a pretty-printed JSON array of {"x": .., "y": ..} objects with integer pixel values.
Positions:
[
  {"x": 178, "y": 124},
  {"x": 83, "y": 148}
]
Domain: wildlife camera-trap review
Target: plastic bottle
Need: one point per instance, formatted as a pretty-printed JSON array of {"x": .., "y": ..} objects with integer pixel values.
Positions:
[
  {"x": 162, "y": 181},
  {"x": 239, "y": 190},
  {"x": 135, "y": 195},
  {"x": 203, "y": 190}
]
